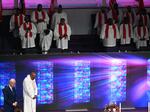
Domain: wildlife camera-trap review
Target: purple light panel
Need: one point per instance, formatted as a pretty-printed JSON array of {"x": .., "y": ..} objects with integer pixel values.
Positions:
[
  {"x": 8, "y": 4},
  {"x": 117, "y": 74},
  {"x": 45, "y": 82},
  {"x": 82, "y": 82}
]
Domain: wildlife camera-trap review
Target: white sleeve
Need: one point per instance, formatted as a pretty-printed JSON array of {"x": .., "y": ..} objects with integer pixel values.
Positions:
[
  {"x": 27, "y": 88},
  {"x": 96, "y": 21},
  {"x": 147, "y": 34},
  {"x": 12, "y": 23},
  {"x": 53, "y": 22},
  {"x": 132, "y": 34},
  {"x": 21, "y": 32},
  {"x": 36, "y": 89},
  {"x": 34, "y": 30},
  {"x": 56, "y": 33},
  {"x": 33, "y": 19},
  {"x": 121, "y": 30},
  {"x": 47, "y": 18},
  {"x": 102, "y": 36},
  {"x": 69, "y": 32},
  {"x": 118, "y": 33}
]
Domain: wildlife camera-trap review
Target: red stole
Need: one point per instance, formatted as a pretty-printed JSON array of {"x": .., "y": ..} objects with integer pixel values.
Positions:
[
  {"x": 128, "y": 16},
  {"x": 28, "y": 28},
  {"x": 37, "y": 15},
  {"x": 124, "y": 31},
  {"x": 139, "y": 30},
  {"x": 114, "y": 15},
  {"x": 107, "y": 30},
  {"x": 144, "y": 19},
  {"x": 60, "y": 30},
  {"x": 20, "y": 20}
]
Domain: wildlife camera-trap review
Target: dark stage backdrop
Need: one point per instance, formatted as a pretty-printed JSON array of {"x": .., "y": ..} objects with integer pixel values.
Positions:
[{"x": 81, "y": 80}]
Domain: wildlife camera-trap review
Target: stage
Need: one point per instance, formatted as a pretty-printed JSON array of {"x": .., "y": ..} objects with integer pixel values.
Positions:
[{"x": 82, "y": 81}]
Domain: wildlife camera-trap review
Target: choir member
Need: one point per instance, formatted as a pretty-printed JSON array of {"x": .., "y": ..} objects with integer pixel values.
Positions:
[
  {"x": 101, "y": 19},
  {"x": 57, "y": 17},
  {"x": 46, "y": 40},
  {"x": 110, "y": 34},
  {"x": 28, "y": 34},
  {"x": 141, "y": 35},
  {"x": 62, "y": 34}
]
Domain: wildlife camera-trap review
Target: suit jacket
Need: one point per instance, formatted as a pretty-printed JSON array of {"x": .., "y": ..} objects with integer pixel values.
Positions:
[{"x": 9, "y": 98}]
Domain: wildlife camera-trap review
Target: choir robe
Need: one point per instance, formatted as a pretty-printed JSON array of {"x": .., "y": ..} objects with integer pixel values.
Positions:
[
  {"x": 143, "y": 19},
  {"x": 41, "y": 26},
  {"x": 46, "y": 40},
  {"x": 141, "y": 43},
  {"x": 126, "y": 40},
  {"x": 29, "y": 91},
  {"x": 62, "y": 43},
  {"x": 57, "y": 17},
  {"x": 110, "y": 15},
  {"x": 27, "y": 42},
  {"x": 12, "y": 21},
  {"x": 110, "y": 41},
  {"x": 131, "y": 16},
  {"x": 97, "y": 21}
]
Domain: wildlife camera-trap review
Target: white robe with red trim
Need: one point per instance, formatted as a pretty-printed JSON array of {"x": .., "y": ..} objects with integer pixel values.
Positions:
[
  {"x": 131, "y": 17},
  {"x": 42, "y": 25},
  {"x": 62, "y": 43},
  {"x": 110, "y": 41},
  {"x": 141, "y": 43},
  {"x": 143, "y": 18},
  {"x": 126, "y": 40},
  {"x": 29, "y": 91},
  {"x": 12, "y": 22},
  {"x": 56, "y": 18},
  {"x": 28, "y": 42},
  {"x": 97, "y": 22},
  {"x": 46, "y": 40}
]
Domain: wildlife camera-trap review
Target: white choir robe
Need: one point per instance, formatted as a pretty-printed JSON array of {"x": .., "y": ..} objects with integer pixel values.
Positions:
[
  {"x": 131, "y": 18},
  {"x": 27, "y": 42},
  {"x": 138, "y": 18},
  {"x": 126, "y": 40},
  {"x": 57, "y": 17},
  {"x": 46, "y": 40},
  {"x": 109, "y": 15},
  {"x": 62, "y": 43},
  {"x": 111, "y": 40},
  {"x": 97, "y": 22},
  {"x": 141, "y": 43},
  {"x": 42, "y": 25},
  {"x": 12, "y": 22},
  {"x": 29, "y": 91}
]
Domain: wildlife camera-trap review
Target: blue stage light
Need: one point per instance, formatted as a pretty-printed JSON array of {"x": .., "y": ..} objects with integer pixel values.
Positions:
[
  {"x": 148, "y": 79},
  {"x": 45, "y": 82},
  {"x": 118, "y": 80},
  {"x": 82, "y": 82},
  {"x": 7, "y": 71}
]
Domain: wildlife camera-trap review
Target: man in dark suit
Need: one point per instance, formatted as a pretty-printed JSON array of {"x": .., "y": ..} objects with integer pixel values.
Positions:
[{"x": 10, "y": 96}]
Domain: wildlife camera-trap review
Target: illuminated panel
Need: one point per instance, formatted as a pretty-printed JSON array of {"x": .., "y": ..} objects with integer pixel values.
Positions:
[
  {"x": 7, "y": 71},
  {"x": 45, "y": 82},
  {"x": 8, "y": 4},
  {"x": 148, "y": 79},
  {"x": 82, "y": 82},
  {"x": 118, "y": 80}
]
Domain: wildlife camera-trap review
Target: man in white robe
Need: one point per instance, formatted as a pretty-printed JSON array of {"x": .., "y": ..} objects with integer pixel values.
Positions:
[
  {"x": 62, "y": 34},
  {"x": 126, "y": 32},
  {"x": 46, "y": 40},
  {"x": 16, "y": 21},
  {"x": 110, "y": 34},
  {"x": 57, "y": 17},
  {"x": 28, "y": 33},
  {"x": 30, "y": 93},
  {"x": 116, "y": 14},
  {"x": 101, "y": 19},
  {"x": 141, "y": 35},
  {"x": 40, "y": 18}
]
